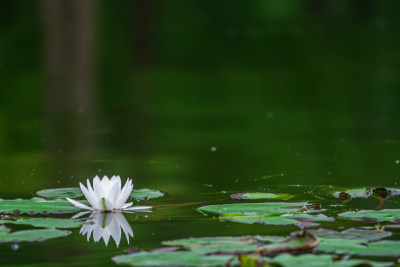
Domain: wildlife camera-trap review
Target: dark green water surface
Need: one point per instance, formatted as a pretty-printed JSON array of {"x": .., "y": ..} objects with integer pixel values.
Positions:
[{"x": 236, "y": 98}]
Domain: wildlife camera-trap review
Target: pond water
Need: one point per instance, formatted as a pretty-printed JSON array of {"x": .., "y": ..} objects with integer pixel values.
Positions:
[{"x": 287, "y": 100}]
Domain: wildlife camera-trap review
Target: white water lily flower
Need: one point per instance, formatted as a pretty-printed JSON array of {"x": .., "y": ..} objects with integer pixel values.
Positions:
[
  {"x": 106, "y": 225},
  {"x": 107, "y": 195}
]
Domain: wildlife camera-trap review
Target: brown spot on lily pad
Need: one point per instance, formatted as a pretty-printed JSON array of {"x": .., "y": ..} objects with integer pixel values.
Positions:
[
  {"x": 344, "y": 196},
  {"x": 381, "y": 192}
]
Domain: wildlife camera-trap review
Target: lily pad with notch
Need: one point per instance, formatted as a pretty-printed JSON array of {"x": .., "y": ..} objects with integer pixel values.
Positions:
[
  {"x": 30, "y": 235},
  {"x": 75, "y": 192}
]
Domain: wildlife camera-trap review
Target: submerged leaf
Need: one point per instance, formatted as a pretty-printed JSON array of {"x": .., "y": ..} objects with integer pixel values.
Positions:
[{"x": 30, "y": 235}]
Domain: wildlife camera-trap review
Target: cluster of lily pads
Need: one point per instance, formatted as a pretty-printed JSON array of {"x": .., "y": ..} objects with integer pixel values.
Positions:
[
  {"x": 52, "y": 201},
  {"x": 311, "y": 247},
  {"x": 337, "y": 247}
]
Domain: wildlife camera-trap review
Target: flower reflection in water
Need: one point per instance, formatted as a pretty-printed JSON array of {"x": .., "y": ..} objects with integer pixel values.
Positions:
[{"x": 106, "y": 225}]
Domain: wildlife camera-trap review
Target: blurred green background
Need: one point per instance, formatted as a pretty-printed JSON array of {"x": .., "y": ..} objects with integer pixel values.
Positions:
[{"x": 177, "y": 94}]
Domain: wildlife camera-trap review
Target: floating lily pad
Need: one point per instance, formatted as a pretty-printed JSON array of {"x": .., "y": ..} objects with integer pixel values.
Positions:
[
  {"x": 341, "y": 246},
  {"x": 145, "y": 193},
  {"x": 312, "y": 260},
  {"x": 216, "y": 244},
  {"x": 285, "y": 219},
  {"x": 261, "y": 196},
  {"x": 219, "y": 251},
  {"x": 36, "y": 205},
  {"x": 372, "y": 215},
  {"x": 271, "y": 208},
  {"x": 71, "y": 192},
  {"x": 175, "y": 258},
  {"x": 75, "y": 192},
  {"x": 381, "y": 192},
  {"x": 270, "y": 213},
  {"x": 30, "y": 235},
  {"x": 352, "y": 233},
  {"x": 297, "y": 241},
  {"x": 207, "y": 240},
  {"x": 47, "y": 222}
]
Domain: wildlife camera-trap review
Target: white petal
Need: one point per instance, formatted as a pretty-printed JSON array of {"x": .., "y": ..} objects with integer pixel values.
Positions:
[
  {"x": 98, "y": 233},
  {"x": 113, "y": 194},
  {"x": 126, "y": 205},
  {"x": 125, "y": 193},
  {"x": 105, "y": 184},
  {"x": 126, "y": 228},
  {"x": 89, "y": 196},
  {"x": 115, "y": 231},
  {"x": 79, "y": 205},
  {"x": 116, "y": 179},
  {"x": 90, "y": 189},
  {"x": 106, "y": 237},
  {"x": 139, "y": 208},
  {"x": 80, "y": 214},
  {"x": 98, "y": 190},
  {"x": 106, "y": 205}
]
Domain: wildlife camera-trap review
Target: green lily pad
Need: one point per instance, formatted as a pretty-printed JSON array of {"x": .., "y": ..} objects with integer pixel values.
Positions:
[
  {"x": 270, "y": 213},
  {"x": 47, "y": 222},
  {"x": 352, "y": 233},
  {"x": 261, "y": 196},
  {"x": 75, "y": 192},
  {"x": 216, "y": 244},
  {"x": 366, "y": 192},
  {"x": 313, "y": 260},
  {"x": 270, "y": 208},
  {"x": 342, "y": 246},
  {"x": 286, "y": 219},
  {"x": 36, "y": 205},
  {"x": 175, "y": 258},
  {"x": 372, "y": 215},
  {"x": 244, "y": 240},
  {"x": 145, "y": 193},
  {"x": 246, "y": 244},
  {"x": 71, "y": 192},
  {"x": 30, "y": 235}
]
